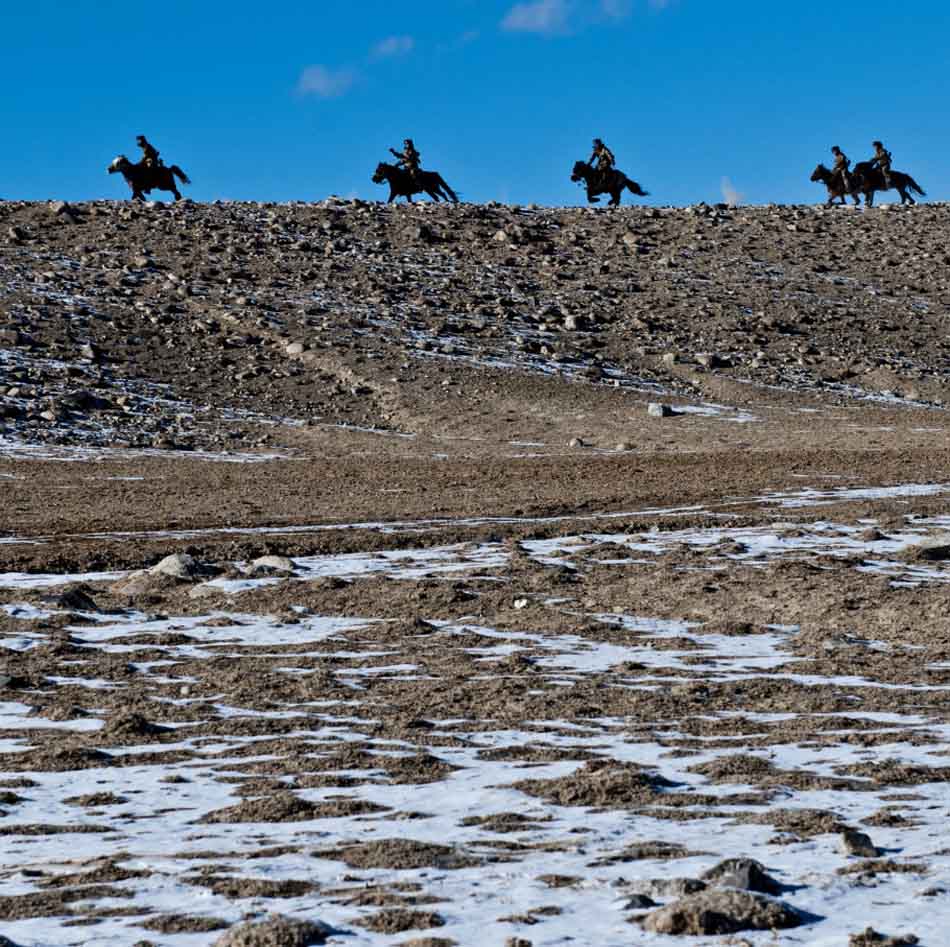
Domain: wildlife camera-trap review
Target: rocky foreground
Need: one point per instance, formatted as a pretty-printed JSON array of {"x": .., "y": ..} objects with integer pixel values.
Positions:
[{"x": 473, "y": 576}]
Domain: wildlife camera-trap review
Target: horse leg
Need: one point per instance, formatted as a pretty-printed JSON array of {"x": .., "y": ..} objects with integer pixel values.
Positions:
[
  {"x": 591, "y": 197},
  {"x": 615, "y": 198},
  {"x": 392, "y": 197}
]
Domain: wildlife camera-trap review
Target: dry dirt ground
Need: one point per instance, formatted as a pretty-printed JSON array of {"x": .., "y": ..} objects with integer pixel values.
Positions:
[{"x": 351, "y": 594}]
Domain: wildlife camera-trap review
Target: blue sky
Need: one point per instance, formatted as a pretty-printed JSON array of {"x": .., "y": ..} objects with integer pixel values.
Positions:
[{"x": 296, "y": 100}]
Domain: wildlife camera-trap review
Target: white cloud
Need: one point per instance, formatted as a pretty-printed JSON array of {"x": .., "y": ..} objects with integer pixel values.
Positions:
[
  {"x": 325, "y": 83},
  {"x": 393, "y": 46},
  {"x": 540, "y": 16}
]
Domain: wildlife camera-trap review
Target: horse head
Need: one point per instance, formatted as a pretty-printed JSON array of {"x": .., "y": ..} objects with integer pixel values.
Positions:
[
  {"x": 382, "y": 172},
  {"x": 120, "y": 163},
  {"x": 820, "y": 173},
  {"x": 581, "y": 170}
]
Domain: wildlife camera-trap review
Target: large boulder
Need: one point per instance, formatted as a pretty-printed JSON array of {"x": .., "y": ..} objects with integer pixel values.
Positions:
[{"x": 722, "y": 911}]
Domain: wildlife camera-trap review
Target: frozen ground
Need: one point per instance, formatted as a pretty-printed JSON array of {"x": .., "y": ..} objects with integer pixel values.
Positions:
[{"x": 266, "y": 757}]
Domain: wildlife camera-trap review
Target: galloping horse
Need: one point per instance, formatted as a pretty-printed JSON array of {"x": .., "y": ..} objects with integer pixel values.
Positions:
[
  {"x": 403, "y": 184},
  {"x": 613, "y": 183},
  {"x": 142, "y": 179},
  {"x": 836, "y": 188},
  {"x": 866, "y": 180}
]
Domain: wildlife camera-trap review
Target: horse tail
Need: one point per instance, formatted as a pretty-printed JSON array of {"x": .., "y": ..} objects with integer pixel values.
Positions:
[
  {"x": 180, "y": 174},
  {"x": 915, "y": 187},
  {"x": 452, "y": 195},
  {"x": 635, "y": 188}
]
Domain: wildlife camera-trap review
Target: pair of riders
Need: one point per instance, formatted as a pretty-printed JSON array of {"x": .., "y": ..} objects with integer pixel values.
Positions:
[
  {"x": 881, "y": 161},
  {"x": 602, "y": 159}
]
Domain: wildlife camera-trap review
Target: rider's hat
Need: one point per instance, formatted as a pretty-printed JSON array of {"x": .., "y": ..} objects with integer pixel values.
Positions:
[
  {"x": 835, "y": 148},
  {"x": 876, "y": 144},
  {"x": 597, "y": 141}
]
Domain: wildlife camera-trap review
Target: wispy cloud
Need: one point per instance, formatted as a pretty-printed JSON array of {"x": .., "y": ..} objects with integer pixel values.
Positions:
[
  {"x": 325, "y": 83},
  {"x": 393, "y": 46},
  {"x": 541, "y": 16},
  {"x": 561, "y": 17}
]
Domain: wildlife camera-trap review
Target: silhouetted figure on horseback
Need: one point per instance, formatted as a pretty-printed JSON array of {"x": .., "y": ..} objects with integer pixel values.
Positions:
[
  {"x": 866, "y": 178},
  {"x": 406, "y": 177},
  {"x": 150, "y": 173},
  {"x": 601, "y": 177},
  {"x": 408, "y": 159},
  {"x": 882, "y": 162},
  {"x": 837, "y": 179}
]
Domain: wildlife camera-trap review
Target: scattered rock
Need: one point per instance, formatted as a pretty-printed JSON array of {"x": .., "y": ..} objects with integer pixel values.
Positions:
[
  {"x": 657, "y": 410},
  {"x": 276, "y": 931},
  {"x": 273, "y": 564},
  {"x": 744, "y": 873},
  {"x": 722, "y": 911},
  {"x": 857, "y": 843},
  {"x": 871, "y": 938}
]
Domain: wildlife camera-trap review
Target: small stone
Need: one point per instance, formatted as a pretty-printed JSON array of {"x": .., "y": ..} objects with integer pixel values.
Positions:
[
  {"x": 671, "y": 358},
  {"x": 852, "y": 842},
  {"x": 520, "y": 603},
  {"x": 708, "y": 360},
  {"x": 177, "y": 566},
  {"x": 624, "y": 446},
  {"x": 657, "y": 410},
  {"x": 273, "y": 564},
  {"x": 295, "y": 348},
  {"x": 76, "y": 599},
  {"x": 639, "y": 902},
  {"x": 744, "y": 873},
  {"x": 62, "y": 209},
  {"x": 576, "y": 442},
  {"x": 17, "y": 234},
  {"x": 871, "y": 938}
]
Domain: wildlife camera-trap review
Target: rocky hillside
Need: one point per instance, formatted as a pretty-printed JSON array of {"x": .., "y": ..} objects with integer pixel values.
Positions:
[{"x": 199, "y": 325}]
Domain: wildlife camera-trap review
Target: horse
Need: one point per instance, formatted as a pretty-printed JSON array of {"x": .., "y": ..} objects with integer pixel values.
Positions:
[
  {"x": 868, "y": 180},
  {"x": 142, "y": 178},
  {"x": 832, "y": 181},
  {"x": 612, "y": 183},
  {"x": 403, "y": 184}
]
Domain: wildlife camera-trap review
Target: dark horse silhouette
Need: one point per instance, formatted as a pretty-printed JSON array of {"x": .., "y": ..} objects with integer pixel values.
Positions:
[
  {"x": 866, "y": 180},
  {"x": 836, "y": 189},
  {"x": 613, "y": 183},
  {"x": 403, "y": 184},
  {"x": 143, "y": 179}
]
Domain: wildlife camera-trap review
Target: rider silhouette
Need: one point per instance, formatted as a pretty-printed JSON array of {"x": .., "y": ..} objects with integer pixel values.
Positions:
[
  {"x": 882, "y": 161},
  {"x": 150, "y": 156},
  {"x": 841, "y": 167},
  {"x": 604, "y": 158},
  {"x": 408, "y": 159}
]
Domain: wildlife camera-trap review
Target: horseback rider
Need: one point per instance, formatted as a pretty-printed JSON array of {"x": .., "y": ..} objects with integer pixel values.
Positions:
[
  {"x": 408, "y": 159},
  {"x": 882, "y": 161},
  {"x": 841, "y": 168},
  {"x": 150, "y": 156},
  {"x": 604, "y": 159}
]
